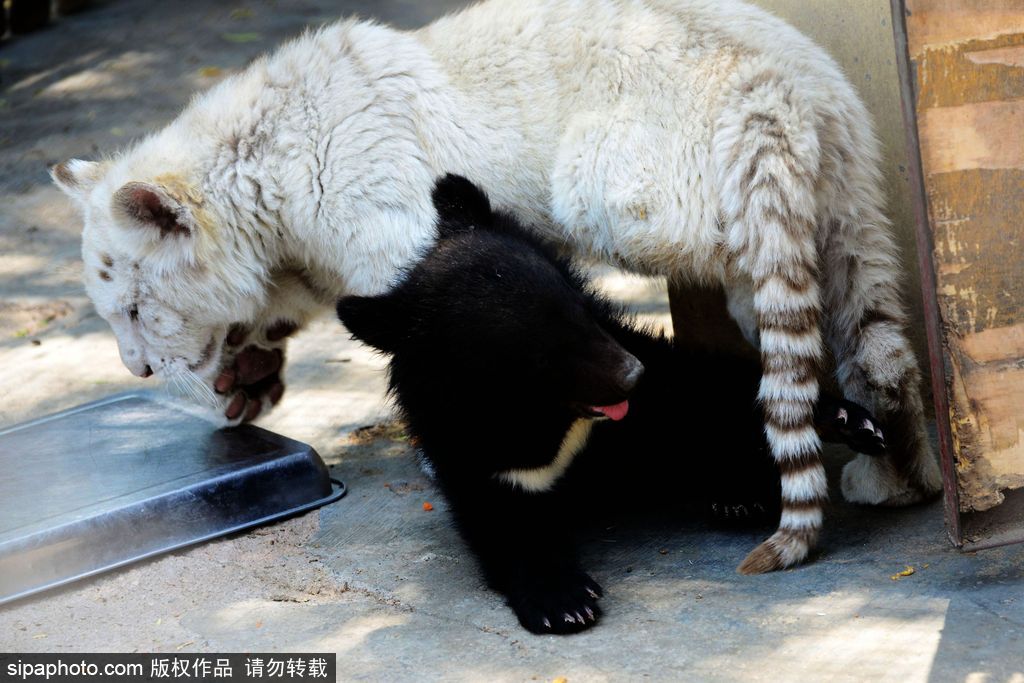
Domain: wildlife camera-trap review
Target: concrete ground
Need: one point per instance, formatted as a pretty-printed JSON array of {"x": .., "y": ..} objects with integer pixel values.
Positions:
[{"x": 374, "y": 577}]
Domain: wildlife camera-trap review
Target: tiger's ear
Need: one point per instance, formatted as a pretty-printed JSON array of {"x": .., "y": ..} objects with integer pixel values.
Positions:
[
  {"x": 150, "y": 207},
  {"x": 76, "y": 177},
  {"x": 373, "y": 320}
]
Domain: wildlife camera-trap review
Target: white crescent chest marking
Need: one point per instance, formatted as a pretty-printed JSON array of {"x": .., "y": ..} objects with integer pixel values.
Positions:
[{"x": 539, "y": 479}]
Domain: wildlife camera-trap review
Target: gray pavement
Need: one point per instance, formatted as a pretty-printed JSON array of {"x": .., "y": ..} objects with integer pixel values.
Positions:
[{"x": 376, "y": 578}]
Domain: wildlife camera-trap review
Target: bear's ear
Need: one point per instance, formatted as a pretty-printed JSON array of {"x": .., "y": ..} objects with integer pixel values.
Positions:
[
  {"x": 460, "y": 205},
  {"x": 150, "y": 207},
  {"x": 373, "y": 320}
]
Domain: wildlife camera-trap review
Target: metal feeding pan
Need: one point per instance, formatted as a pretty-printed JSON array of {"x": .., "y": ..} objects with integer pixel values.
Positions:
[{"x": 114, "y": 481}]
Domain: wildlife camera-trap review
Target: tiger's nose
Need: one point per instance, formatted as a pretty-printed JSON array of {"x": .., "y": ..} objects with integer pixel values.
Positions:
[{"x": 140, "y": 369}]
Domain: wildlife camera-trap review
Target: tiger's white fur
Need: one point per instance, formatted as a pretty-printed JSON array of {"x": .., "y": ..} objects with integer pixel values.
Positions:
[{"x": 703, "y": 140}]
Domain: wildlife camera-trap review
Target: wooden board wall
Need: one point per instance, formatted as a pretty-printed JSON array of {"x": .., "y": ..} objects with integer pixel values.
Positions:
[{"x": 966, "y": 60}]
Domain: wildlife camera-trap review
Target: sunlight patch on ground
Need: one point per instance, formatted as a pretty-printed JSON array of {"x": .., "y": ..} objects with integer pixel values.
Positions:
[
  {"x": 108, "y": 76},
  {"x": 13, "y": 265},
  {"x": 645, "y": 298},
  {"x": 848, "y": 636},
  {"x": 86, "y": 80},
  {"x": 982, "y": 677},
  {"x": 630, "y": 288},
  {"x": 62, "y": 371},
  {"x": 42, "y": 75},
  {"x": 355, "y": 632}
]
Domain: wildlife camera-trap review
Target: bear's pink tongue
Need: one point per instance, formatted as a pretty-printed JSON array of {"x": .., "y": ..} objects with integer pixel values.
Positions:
[{"x": 615, "y": 412}]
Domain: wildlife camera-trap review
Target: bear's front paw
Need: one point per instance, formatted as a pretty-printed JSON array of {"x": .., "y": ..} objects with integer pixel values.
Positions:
[
  {"x": 251, "y": 377},
  {"x": 746, "y": 513},
  {"x": 842, "y": 421},
  {"x": 561, "y": 605}
]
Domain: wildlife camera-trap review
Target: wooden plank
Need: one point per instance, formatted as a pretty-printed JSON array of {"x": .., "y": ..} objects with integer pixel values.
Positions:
[
  {"x": 938, "y": 23},
  {"x": 978, "y": 247},
  {"x": 980, "y": 70},
  {"x": 994, "y": 345},
  {"x": 979, "y": 135},
  {"x": 968, "y": 61},
  {"x": 988, "y": 432}
]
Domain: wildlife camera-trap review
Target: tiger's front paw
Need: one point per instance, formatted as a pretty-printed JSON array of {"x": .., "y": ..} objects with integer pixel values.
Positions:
[
  {"x": 250, "y": 379},
  {"x": 557, "y": 604}
]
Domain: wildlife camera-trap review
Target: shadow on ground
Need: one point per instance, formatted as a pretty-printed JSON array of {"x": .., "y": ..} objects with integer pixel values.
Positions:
[{"x": 674, "y": 605}]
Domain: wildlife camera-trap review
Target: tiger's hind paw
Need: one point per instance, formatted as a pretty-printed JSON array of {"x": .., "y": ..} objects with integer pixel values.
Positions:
[{"x": 874, "y": 481}]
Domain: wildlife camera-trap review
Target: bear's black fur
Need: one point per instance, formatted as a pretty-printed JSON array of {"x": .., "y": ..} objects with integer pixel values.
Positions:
[{"x": 498, "y": 347}]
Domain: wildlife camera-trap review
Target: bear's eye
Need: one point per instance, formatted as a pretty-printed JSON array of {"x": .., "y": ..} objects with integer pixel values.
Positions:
[{"x": 133, "y": 313}]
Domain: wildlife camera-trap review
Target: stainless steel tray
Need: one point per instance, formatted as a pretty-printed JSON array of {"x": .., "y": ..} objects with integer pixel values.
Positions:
[{"x": 131, "y": 476}]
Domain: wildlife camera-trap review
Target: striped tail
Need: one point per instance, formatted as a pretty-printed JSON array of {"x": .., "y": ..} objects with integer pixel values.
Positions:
[
  {"x": 787, "y": 313},
  {"x": 767, "y": 156}
]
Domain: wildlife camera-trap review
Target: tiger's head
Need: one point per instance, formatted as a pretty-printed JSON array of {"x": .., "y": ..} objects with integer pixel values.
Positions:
[{"x": 160, "y": 268}]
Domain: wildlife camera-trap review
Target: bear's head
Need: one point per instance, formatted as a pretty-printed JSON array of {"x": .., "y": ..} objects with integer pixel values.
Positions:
[{"x": 489, "y": 318}]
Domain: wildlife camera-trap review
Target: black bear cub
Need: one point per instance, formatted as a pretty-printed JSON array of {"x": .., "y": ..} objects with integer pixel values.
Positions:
[{"x": 526, "y": 390}]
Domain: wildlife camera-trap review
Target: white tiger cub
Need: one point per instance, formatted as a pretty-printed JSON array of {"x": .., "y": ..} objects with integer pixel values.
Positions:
[{"x": 703, "y": 140}]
